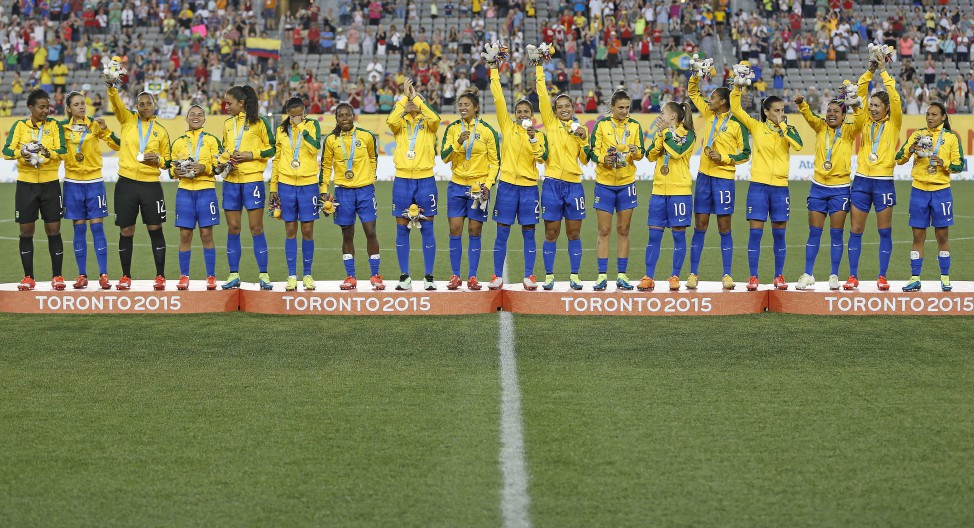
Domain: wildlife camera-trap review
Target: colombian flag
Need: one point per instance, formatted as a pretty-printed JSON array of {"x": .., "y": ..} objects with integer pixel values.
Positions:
[{"x": 263, "y": 47}]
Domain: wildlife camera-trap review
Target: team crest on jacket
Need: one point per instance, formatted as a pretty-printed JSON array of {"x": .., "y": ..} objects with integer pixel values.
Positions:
[{"x": 358, "y": 143}]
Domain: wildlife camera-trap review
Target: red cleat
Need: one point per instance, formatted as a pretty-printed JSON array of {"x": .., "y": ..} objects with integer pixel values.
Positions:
[
  {"x": 125, "y": 283},
  {"x": 779, "y": 283},
  {"x": 377, "y": 283},
  {"x": 104, "y": 283},
  {"x": 58, "y": 283},
  {"x": 454, "y": 283},
  {"x": 752, "y": 283},
  {"x": 81, "y": 282},
  {"x": 160, "y": 283},
  {"x": 349, "y": 284},
  {"x": 473, "y": 284},
  {"x": 211, "y": 283},
  {"x": 882, "y": 284},
  {"x": 182, "y": 285},
  {"x": 26, "y": 284},
  {"x": 851, "y": 284}
]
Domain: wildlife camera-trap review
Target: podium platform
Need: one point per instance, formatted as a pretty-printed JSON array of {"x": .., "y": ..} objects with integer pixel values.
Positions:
[
  {"x": 140, "y": 299},
  {"x": 868, "y": 300}
]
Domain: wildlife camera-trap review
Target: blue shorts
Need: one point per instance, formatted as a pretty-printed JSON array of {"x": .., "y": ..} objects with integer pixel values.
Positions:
[
  {"x": 358, "y": 201},
  {"x": 240, "y": 196},
  {"x": 614, "y": 198},
  {"x": 828, "y": 200},
  {"x": 562, "y": 200},
  {"x": 459, "y": 205},
  {"x": 298, "y": 202},
  {"x": 422, "y": 192},
  {"x": 714, "y": 196},
  {"x": 85, "y": 201},
  {"x": 669, "y": 211},
  {"x": 931, "y": 208},
  {"x": 768, "y": 200},
  {"x": 516, "y": 202},
  {"x": 196, "y": 208},
  {"x": 873, "y": 192}
]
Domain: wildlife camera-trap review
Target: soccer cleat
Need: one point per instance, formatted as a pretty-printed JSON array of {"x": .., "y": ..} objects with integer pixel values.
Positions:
[
  {"x": 211, "y": 283},
  {"x": 752, "y": 283},
  {"x": 622, "y": 282},
  {"x": 57, "y": 283},
  {"x": 183, "y": 283},
  {"x": 496, "y": 283},
  {"x": 405, "y": 283},
  {"x": 530, "y": 283},
  {"x": 232, "y": 282},
  {"x": 26, "y": 284},
  {"x": 574, "y": 283},
  {"x": 291, "y": 284},
  {"x": 805, "y": 282},
  {"x": 912, "y": 286},
  {"x": 945, "y": 284},
  {"x": 882, "y": 284},
  {"x": 125, "y": 283},
  {"x": 674, "y": 283},
  {"x": 428, "y": 283},
  {"x": 454, "y": 283},
  {"x": 728, "y": 282},
  {"x": 851, "y": 284},
  {"x": 601, "y": 283},
  {"x": 159, "y": 284},
  {"x": 692, "y": 282},
  {"x": 646, "y": 284},
  {"x": 104, "y": 283},
  {"x": 549, "y": 283},
  {"x": 263, "y": 279},
  {"x": 473, "y": 284},
  {"x": 377, "y": 283},
  {"x": 779, "y": 283},
  {"x": 349, "y": 284},
  {"x": 81, "y": 282},
  {"x": 309, "y": 283},
  {"x": 833, "y": 282}
]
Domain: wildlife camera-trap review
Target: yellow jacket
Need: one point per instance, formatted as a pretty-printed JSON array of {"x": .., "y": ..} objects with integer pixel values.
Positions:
[
  {"x": 886, "y": 149},
  {"x": 364, "y": 160},
  {"x": 566, "y": 151},
  {"x": 484, "y": 165},
  {"x": 678, "y": 144},
  {"x": 185, "y": 147},
  {"x": 951, "y": 151},
  {"x": 402, "y": 126},
  {"x": 731, "y": 139},
  {"x": 825, "y": 137},
  {"x": 627, "y": 137},
  {"x": 519, "y": 156},
  {"x": 23, "y": 132},
  {"x": 128, "y": 165},
  {"x": 772, "y": 142},
  {"x": 307, "y": 135},
  {"x": 256, "y": 138},
  {"x": 88, "y": 169}
]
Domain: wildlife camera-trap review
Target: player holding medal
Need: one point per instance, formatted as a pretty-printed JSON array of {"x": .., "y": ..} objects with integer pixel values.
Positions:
[
  {"x": 296, "y": 186},
  {"x": 349, "y": 158},
  {"x": 85, "y": 199}
]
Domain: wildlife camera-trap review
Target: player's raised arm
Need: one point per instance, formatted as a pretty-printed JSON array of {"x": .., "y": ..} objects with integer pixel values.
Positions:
[
  {"x": 738, "y": 111},
  {"x": 544, "y": 100},
  {"x": 895, "y": 103},
  {"x": 500, "y": 104},
  {"x": 124, "y": 115},
  {"x": 814, "y": 120},
  {"x": 397, "y": 118}
]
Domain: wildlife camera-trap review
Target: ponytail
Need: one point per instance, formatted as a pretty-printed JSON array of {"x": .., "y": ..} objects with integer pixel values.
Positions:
[
  {"x": 683, "y": 112},
  {"x": 248, "y": 95}
]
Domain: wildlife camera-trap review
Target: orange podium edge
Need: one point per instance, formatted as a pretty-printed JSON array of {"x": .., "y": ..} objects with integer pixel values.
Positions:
[
  {"x": 868, "y": 300},
  {"x": 140, "y": 299}
]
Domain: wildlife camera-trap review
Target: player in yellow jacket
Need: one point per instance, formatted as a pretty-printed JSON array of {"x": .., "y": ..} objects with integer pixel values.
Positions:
[
  {"x": 37, "y": 143},
  {"x": 873, "y": 185},
  {"x": 248, "y": 143},
  {"x": 671, "y": 204},
  {"x": 195, "y": 154},
  {"x": 296, "y": 187},
  {"x": 470, "y": 145},
  {"x": 349, "y": 158},
  {"x": 143, "y": 154},
  {"x": 931, "y": 201},
  {"x": 727, "y": 145},
  {"x": 767, "y": 194},
  {"x": 85, "y": 199},
  {"x": 414, "y": 124},
  {"x": 615, "y": 145}
]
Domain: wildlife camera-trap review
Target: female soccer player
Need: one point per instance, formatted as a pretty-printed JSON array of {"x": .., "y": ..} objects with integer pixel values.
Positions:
[
  {"x": 296, "y": 186},
  {"x": 873, "y": 185},
  {"x": 194, "y": 155},
  {"x": 670, "y": 205},
  {"x": 38, "y": 138},
  {"x": 562, "y": 195},
  {"x": 85, "y": 199},
  {"x": 931, "y": 201},
  {"x": 727, "y": 145},
  {"x": 470, "y": 146},
  {"x": 616, "y": 144},
  {"x": 767, "y": 194},
  {"x": 249, "y": 143},
  {"x": 350, "y": 160},
  {"x": 829, "y": 195},
  {"x": 414, "y": 124},
  {"x": 517, "y": 196}
]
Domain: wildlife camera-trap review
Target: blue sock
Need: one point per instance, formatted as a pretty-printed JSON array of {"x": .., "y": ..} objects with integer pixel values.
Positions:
[
  {"x": 944, "y": 258},
  {"x": 473, "y": 255},
  {"x": 603, "y": 264},
  {"x": 402, "y": 248},
  {"x": 81, "y": 248},
  {"x": 349, "y": 261},
  {"x": 838, "y": 245},
  {"x": 652, "y": 251},
  {"x": 727, "y": 251},
  {"x": 885, "y": 249},
  {"x": 754, "y": 250},
  {"x": 209, "y": 261},
  {"x": 916, "y": 264},
  {"x": 429, "y": 246},
  {"x": 530, "y": 251},
  {"x": 548, "y": 250},
  {"x": 308, "y": 254},
  {"x": 811, "y": 248},
  {"x": 456, "y": 254},
  {"x": 575, "y": 255},
  {"x": 780, "y": 250},
  {"x": 679, "y": 250},
  {"x": 184, "y": 259},
  {"x": 101, "y": 247},
  {"x": 290, "y": 255},
  {"x": 500, "y": 249},
  {"x": 622, "y": 264},
  {"x": 696, "y": 249},
  {"x": 374, "y": 264},
  {"x": 260, "y": 252},
  {"x": 855, "y": 251},
  {"x": 233, "y": 253}
]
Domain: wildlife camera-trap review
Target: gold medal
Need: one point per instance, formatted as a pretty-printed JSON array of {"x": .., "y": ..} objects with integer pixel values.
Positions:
[
  {"x": 664, "y": 170},
  {"x": 932, "y": 169},
  {"x": 827, "y": 165},
  {"x": 707, "y": 151},
  {"x": 873, "y": 158},
  {"x": 79, "y": 157},
  {"x": 295, "y": 164},
  {"x": 349, "y": 175}
]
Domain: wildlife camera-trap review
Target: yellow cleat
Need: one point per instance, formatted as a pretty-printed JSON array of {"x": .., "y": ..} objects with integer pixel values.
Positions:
[
  {"x": 309, "y": 283},
  {"x": 692, "y": 282},
  {"x": 292, "y": 284},
  {"x": 728, "y": 282}
]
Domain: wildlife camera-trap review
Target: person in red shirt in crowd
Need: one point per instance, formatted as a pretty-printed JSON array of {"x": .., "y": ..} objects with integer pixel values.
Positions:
[
  {"x": 314, "y": 35},
  {"x": 644, "y": 48},
  {"x": 297, "y": 39},
  {"x": 95, "y": 61},
  {"x": 591, "y": 104},
  {"x": 201, "y": 73},
  {"x": 795, "y": 20},
  {"x": 548, "y": 33}
]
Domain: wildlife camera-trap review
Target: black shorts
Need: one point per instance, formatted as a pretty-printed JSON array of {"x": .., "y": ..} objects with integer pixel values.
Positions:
[
  {"x": 33, "y": 198},
  {"x": 133, "y": 197}
]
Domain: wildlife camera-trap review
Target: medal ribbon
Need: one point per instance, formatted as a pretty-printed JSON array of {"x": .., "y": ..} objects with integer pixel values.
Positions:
[
  {"x": 295, "y": 147},
  {"x": 876, "y": 137},
  {"x": 713, "y": 129},
  {"x": 415, "y": 134},
  {"x": 937, "y": 144},
  {"x": 81, "y": 142},
  {"x": 349, "y": 158},
  {"x": 144, "y": 141},
  {"x": 473, "y": 136},
  {"x": 830, "y": 146},
  {"x": 239, "y": 136}
]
